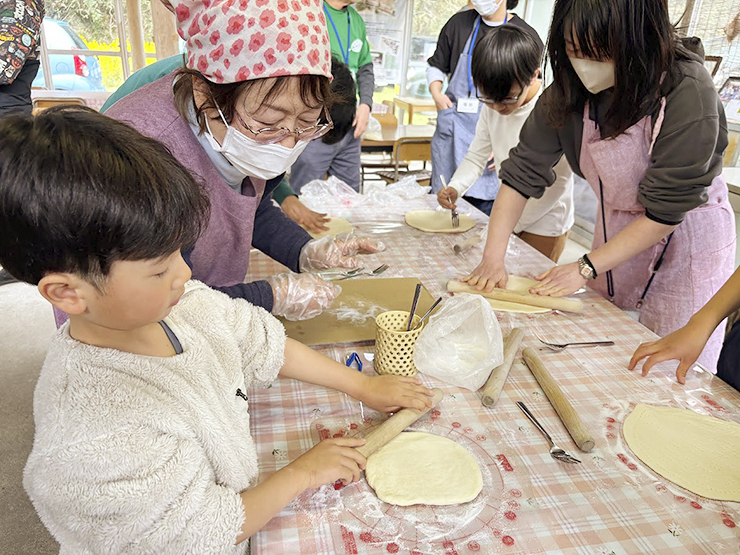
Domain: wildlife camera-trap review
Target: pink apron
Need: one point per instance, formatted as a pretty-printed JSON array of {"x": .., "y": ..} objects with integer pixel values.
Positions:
[{"x": 701, "y": 253}]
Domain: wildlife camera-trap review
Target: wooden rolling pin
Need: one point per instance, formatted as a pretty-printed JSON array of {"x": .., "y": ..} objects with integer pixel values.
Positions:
[
  {"x": 395, "y": 425},
  {"x": 495, "y": 382},
  {"x": 556, "y": 303},
  {"x": 562, "y": 406}
]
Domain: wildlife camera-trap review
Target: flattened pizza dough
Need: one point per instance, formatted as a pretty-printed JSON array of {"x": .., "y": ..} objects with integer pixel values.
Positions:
[
  {"x": 336, "y": 226},
  {"x": 438, "y": 221},
  {"x": 417, "y": 468},
  {"x": 699, "y": 453}
]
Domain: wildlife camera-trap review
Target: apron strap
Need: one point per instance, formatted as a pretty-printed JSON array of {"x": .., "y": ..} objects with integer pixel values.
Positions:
[
  {"x": 609, "y": 278},
  {"x": 655, "y": 271}
]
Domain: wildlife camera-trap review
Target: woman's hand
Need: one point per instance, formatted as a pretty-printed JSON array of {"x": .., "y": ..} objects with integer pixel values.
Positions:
[
  {"x": 559, "y": 281},
  {"x": 301, "y": 296},
  {"x": 328, "y": 461},
  {"x": 340, "y": 252},
  {"x": 446, "y": 197},
  {"x": 488, "y": 274},
  {"x": 392, "y": 393},
  {"x": 684, "y": 345},
  {"x": 302, "y": 215}
]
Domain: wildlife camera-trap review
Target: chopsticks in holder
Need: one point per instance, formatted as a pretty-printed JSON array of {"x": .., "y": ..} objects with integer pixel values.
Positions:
[{"x": 413, "y": 306}]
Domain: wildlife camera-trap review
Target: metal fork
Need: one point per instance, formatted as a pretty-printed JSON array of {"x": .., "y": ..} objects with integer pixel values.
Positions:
[
  {"x": 555, "y": 452},
  {"x": 455, "y": 215},
  {"x": 376, "y": 272},
  {"x": 557, "y": 347}
]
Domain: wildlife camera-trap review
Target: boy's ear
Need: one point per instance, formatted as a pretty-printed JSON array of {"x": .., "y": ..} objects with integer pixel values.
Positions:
[
  {"x": 64, "y": 291},
  {"x": 535, "y": 76}
]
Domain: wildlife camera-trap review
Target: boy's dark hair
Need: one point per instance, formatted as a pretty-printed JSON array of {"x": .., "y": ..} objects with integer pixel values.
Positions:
[
  {"x": 511, "y": 4},
  {"x": 79, "y": 191},
  {"x": 506, "y": 56},
  {"x": 344, "y": 105}
]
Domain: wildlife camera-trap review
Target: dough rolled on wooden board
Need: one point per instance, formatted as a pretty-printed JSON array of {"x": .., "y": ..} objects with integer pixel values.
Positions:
[
  {"x": 395, "y": 425},
  {"x": 560, "y": 403},
  {"x": 555, "y": 303},
  {"x": 495, "y": 383}
]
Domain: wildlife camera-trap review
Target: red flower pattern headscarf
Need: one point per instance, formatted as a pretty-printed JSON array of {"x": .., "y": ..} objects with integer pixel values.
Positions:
[{"x": 229, "y": 41}]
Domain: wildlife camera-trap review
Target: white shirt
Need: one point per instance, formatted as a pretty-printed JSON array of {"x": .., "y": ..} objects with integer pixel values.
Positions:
[
  {"x": 138, "y": 454},
  {"x": 552, "y": 214}
]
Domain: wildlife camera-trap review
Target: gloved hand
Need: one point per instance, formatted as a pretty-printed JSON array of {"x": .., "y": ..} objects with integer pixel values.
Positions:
[
  {"x": 301, "y": 296},
  {"x": 339, "y": 252}
]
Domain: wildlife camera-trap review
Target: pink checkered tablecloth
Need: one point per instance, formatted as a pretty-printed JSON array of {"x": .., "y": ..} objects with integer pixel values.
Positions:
[{"x": 611, "y": 504}]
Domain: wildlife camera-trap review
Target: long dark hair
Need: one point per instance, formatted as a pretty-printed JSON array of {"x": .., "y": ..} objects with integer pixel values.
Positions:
[{"x": 635, "y": 34}]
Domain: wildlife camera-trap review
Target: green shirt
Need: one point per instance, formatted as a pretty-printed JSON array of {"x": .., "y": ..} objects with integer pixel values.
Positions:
[{"x": 359, "y": 48}]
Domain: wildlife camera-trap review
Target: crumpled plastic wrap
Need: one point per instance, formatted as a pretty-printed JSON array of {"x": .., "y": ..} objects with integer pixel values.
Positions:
[
  {"x": 301, "y": 296},
  {"x": 336, "y": 252},
  {"x": 462, "y": 342},
  {"x": 334, "y": 197}
]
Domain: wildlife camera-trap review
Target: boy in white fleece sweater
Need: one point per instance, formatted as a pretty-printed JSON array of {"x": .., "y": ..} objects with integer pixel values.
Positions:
[
  {"x": 142, "y": 438},
  {"x": 505, "y": 69}
]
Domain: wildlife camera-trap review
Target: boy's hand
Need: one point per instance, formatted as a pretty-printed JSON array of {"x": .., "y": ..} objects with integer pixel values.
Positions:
[
  {"x": 301, "y": 214},
  {"x": 684, "y": 345},
  {"x": 330, "y": 460},
  {"x": 487, "y": 275},
  {"x": 446, "y": 197},
  {"x": 392, "y": 393}
]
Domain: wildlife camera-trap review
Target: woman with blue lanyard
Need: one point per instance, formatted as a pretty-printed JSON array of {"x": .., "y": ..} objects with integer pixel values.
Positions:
[
  {"x": 348, "y": 40},
  {"x": 458, "y": 107}
]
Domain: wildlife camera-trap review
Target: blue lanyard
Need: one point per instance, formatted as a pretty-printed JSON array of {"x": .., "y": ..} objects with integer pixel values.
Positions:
[
  {"x": 345, "y": 55},
  {"x": 470, "y": 50}
]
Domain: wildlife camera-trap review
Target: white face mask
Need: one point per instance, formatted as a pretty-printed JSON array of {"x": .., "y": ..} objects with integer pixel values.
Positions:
[
  {"x": 252, "y": 158},
  {"x": 486, "y": 7},
  {"x": 596, "y": 76}
]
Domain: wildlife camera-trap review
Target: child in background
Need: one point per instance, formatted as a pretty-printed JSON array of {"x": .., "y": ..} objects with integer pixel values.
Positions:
[
  {"x": 506, "y": 69},
  {"x": 687, "y": 343},
  {"x": 142, "y": 440}
]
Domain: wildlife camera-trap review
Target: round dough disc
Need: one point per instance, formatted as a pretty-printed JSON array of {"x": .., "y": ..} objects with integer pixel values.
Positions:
[
  {"x": 417, "y": 468},
  {"x": 438, "y": 221},
  {"x": 335, "y": 225},
  {"x": 699, "y": 453},
  {"x": 522, "y": 285}
]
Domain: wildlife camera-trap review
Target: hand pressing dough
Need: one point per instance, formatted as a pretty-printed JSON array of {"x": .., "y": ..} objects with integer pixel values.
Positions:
[
  {"x": 699, "y": 453},
  {"x": 419, "y": 468},
  {"x": 335, "y": 225},
  {"x": 438, "y": 221}
]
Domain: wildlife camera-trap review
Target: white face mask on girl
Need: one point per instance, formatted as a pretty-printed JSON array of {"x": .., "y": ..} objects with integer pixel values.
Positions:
[
  {"x": 252, "y": 158},
  {"x": 486, "y": 7},
  {"x": 596, "y": 76}
]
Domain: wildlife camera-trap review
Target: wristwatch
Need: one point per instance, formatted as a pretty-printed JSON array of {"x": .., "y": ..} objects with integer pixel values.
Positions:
[{"x": 585, "y": 268}]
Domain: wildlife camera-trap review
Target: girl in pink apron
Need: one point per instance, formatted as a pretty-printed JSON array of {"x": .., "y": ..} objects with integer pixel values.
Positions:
[{"x": 636, "y": 115}]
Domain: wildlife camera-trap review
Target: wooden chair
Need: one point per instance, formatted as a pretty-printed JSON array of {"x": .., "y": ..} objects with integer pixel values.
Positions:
[
  {"x": 406, "y": 150},
  {"x": 40, "y": 103},
  {"x": 373, "y": 162}
]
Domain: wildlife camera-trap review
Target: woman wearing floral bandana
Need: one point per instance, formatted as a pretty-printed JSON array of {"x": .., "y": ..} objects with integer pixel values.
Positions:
[{"x": 254, "y": 91}]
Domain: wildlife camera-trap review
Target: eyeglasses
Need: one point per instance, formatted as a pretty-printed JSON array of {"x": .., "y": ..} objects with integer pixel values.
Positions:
[
  {"x": 508, "y": 101},
  {"x": 271, "y": 135}
]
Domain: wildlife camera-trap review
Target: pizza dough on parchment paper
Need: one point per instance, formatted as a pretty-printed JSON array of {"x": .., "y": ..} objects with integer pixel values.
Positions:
[
  {"x": 438, "y": 221},
  {"x": 698, "y": 453},
  {"x": 336, "y": 226},
  {"x": 420, "y": 468}
]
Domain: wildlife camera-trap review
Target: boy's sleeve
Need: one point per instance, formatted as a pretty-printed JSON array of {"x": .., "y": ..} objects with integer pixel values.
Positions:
[
  {"x": 472, "y": 166},
  {"x": 139, "y": 490}
]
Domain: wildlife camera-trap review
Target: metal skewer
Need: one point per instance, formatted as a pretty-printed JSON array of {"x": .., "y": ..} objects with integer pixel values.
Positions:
[{"x": 413, "y": 306}]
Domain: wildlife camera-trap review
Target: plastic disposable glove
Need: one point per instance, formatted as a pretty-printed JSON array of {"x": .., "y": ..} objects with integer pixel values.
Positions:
[
  {"x": 339, "y": 252},
  {"x": 301, "y": 296}
]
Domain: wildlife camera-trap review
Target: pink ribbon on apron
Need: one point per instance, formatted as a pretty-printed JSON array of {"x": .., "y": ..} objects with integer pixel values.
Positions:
[{"x": 701, "y": 255}]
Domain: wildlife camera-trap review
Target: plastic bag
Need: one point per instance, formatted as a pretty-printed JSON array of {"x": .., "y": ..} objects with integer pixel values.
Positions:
[{"x": 462, "y": 342}]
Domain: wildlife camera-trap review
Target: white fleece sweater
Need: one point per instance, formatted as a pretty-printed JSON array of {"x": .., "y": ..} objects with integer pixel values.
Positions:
[
  {"x": 136, "y": 454},
  {"x": 552, "y": 214}
]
